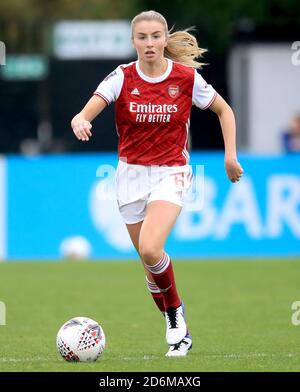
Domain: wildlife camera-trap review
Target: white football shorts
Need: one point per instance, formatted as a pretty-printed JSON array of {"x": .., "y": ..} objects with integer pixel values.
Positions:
[{"x": 138, "y": 185}]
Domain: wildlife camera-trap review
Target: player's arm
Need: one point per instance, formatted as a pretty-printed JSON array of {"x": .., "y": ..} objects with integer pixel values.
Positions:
[
  {"x": 227, "y": 121},
  {"x": 81, "y": 123}
]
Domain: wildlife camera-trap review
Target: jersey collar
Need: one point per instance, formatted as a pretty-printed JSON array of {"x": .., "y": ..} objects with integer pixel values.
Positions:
[{"x": 157, "y": 79}]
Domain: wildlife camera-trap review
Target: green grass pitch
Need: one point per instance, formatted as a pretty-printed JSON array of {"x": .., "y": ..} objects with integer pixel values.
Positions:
[{"x": 239, "y": 314}]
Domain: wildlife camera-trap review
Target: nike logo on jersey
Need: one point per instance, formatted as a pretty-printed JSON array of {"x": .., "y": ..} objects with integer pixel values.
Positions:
[{"x": 135, "y": 91}]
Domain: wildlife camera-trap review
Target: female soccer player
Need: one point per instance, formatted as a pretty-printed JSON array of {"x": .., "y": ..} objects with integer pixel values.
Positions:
[{"x": 153, "y": 98}]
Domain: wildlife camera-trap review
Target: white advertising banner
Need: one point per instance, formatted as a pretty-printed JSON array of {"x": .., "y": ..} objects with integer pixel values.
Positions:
[
  {"x": 93, "y": 40},
  {"x": 264, "y": 79}
]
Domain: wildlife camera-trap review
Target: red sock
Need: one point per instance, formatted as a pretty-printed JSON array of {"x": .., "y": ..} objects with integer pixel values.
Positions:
[
  {"x": 163, "y": 275},
  {"x": 156, "y": 295},
  {"x": 159, "y": 300}
]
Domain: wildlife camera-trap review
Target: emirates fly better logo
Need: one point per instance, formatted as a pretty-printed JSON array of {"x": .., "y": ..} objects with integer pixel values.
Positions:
[{"x": 152, "y": 113}]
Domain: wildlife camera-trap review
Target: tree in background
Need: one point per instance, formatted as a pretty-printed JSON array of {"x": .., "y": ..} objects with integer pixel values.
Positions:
[
  {"x": 219, "y": 21},
  {"x": 23, "y": 23}
]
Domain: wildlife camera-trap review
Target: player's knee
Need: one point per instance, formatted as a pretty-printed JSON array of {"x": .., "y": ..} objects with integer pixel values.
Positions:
[{"x": 149, "y": 253}]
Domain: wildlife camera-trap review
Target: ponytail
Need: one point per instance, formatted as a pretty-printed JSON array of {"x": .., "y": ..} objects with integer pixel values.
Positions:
[{"x": 183, "y": 48}]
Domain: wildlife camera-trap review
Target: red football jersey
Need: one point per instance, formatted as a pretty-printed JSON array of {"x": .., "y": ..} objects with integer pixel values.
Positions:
[{"x": 153, "y": 114}]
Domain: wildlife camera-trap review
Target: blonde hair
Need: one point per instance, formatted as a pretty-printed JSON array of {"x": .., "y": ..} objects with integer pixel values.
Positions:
[{"x": 182, "y": 47}]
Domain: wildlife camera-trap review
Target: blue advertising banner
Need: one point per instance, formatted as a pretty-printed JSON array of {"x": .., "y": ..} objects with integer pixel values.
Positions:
[
  {"x": 55, "y": 201},
  {"x": 2, "y": 208}
]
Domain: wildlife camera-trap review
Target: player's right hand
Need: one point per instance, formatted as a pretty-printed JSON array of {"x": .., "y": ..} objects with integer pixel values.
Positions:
[{"x": 81, "y": 128}]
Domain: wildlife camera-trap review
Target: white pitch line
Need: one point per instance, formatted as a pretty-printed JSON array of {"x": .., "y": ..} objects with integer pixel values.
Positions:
[
  {"x": 19, "y": 360},
  {"x": 149, "y": 357},
  {"x": 253, "y": 355}
]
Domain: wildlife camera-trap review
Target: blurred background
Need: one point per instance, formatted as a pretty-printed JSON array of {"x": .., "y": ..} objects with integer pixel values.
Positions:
[{"x": 53, "y": 55}]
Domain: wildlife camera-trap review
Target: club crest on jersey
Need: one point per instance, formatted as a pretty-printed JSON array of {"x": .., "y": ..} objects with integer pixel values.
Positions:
[{"x": 173, "y": 91}]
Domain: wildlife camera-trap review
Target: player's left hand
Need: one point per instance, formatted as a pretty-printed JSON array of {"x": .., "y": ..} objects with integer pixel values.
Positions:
[{"x": 233, "y": 169}]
